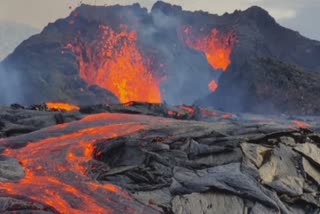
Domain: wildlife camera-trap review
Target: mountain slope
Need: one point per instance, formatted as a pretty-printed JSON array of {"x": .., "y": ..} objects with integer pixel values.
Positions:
[
  {"x": 267, "y": 86},
  {"x": 258, "y": 34},
  {"x": 169, "y": 45}
]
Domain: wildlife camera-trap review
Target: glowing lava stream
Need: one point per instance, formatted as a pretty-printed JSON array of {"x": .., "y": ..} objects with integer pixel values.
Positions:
[
  {"x": 55, "y": 166},
  {"x": 116, "y": 64},
  {"x": 300, "y": 124},
  {"x": 62, "y": 106},
  {"x": 216, "y": 47}
]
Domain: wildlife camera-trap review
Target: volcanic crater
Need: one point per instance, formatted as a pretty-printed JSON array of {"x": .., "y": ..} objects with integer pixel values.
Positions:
[{"x": 156, "y": 112}]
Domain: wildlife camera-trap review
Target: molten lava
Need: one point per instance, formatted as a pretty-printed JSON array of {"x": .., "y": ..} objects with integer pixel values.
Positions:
[
  {"x": 189, "y": 109},
  {"x": 217, "y": 47},
  {"x": 56, "y": 161},
  {"x": 301, "y": 124},
  {"x": 55, "y": 106},
  {"x": 226, "y": 116},
  {"x": 115, "y": 63},
  {"x": 205, "y": 113},
  {"x": 213, "y": 85}
]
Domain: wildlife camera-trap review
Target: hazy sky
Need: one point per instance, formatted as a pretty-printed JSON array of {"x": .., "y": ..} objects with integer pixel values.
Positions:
[{"x": 301, "y": 15}]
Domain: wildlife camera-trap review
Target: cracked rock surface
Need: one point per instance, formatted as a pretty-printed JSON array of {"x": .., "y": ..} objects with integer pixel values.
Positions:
[{"x": 190, "y": 165}]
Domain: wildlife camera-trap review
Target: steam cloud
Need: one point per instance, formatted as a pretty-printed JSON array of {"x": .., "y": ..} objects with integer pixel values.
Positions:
[
  {"x": 10, "y": 87},
  {"x": 184, "y": 83},
  {"x": 187, "y": 71}
]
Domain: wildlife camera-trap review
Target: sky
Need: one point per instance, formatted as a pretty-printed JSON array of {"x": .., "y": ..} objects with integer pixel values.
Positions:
[{"x": 300, "y": 15}]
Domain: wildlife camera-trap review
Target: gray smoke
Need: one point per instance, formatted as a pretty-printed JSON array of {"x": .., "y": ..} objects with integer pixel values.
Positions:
[
  {"x": 187, "y": 71},
  {"x": 10, "y": 88}
]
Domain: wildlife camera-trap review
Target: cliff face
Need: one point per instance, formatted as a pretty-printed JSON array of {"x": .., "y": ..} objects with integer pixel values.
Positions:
[{"x": 70, "y": 56}]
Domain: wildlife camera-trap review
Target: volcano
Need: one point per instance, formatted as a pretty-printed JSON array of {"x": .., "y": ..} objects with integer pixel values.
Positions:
[
  {"x": 125, "y": 110},
  {"x": 111, "y": 54}
]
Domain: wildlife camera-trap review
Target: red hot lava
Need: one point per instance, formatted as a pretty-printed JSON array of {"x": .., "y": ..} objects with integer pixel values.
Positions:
[
  {"x": 301, "y": 124},
  {"x": 189, "y": 109},
  {"x": 55, "y": 166},
  {"x": 213, "y": 86},
  {"x": 216, "y": 46},
  {"x": 226, "y": 116},
  {"x": 60, "y": 106},
  {"x": 115, "y": 63}
]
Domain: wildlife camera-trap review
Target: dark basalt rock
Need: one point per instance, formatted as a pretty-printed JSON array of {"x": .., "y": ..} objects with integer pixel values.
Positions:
[
  {"x": 10, "y": 170},
  {"x": 267, "y": 86},
  {"x": 231, "y": 165},
  {"x": 23, "y": 206},
  {"x": 158, "y": 167},
  {"x": 17, "y": 121}
]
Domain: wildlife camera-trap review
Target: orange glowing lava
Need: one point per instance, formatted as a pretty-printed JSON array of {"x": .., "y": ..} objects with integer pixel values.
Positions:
[
  {"x": 301, "y": 124},
  {"x": 189, "y": 109},
  {"x": 115, "y": 63},
  {"x": 216, "y": 46},
  {"x": 213, "y": 85},
  {"x": 226, "y": 116},
  {"x": 56, "y": 162},
  {"x": 62, "y": 106},
  {"x": 205, "y": 113}
]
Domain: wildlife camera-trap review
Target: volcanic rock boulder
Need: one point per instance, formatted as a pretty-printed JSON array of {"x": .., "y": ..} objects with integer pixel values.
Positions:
[{"x": 10, "y": 170}]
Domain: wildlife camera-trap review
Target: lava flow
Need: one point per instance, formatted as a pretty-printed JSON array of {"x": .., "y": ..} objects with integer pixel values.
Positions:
[
  {"x": 301, "y": 124},
  {"x": 55, "y": 166},
  {"x": 217, "y": 47},
  {"x": 56, "y": 106},
  {"x": 115, "y": 63}
]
